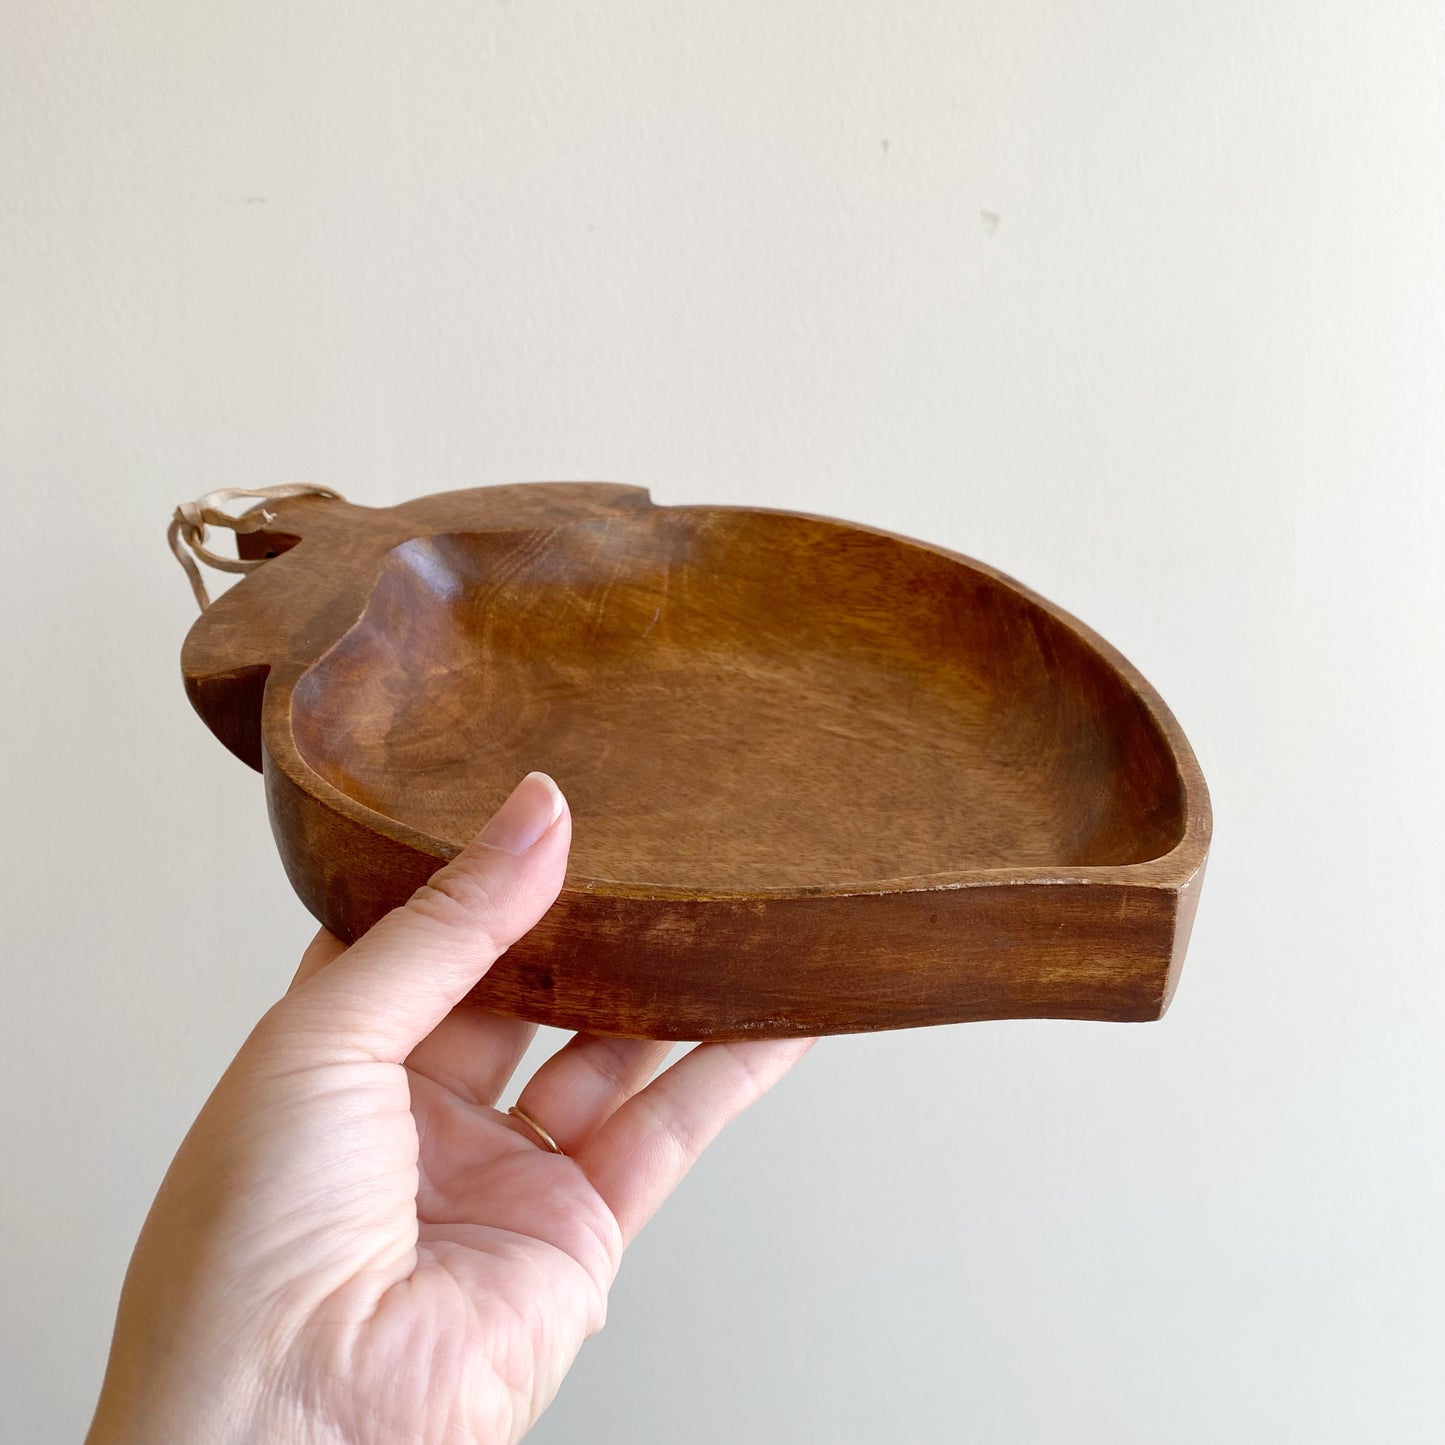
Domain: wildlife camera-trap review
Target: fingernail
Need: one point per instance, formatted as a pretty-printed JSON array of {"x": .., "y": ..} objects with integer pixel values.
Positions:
[{"x": 533, "y": 806}]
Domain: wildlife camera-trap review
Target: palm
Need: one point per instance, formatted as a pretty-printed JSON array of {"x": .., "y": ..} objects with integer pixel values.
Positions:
[
  {"x": 496, "y": 1254},
  {"x": 485, "y": 1260},
  {"x": 515, "y": 1252}
]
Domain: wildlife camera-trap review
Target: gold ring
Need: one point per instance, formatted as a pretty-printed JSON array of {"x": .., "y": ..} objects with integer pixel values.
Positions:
[{"x": 547, "y": 1141}]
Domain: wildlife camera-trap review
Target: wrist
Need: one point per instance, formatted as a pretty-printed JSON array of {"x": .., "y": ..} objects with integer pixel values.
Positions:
[{"x": 152, "y": 1407}]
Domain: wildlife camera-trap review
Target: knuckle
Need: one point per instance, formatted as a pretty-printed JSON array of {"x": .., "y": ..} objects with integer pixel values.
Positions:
[
  {"x": 746, "y": 1065},
  {"x": 457, "y": 900},
  {"x": 672, "y": 1128},
  {"x": 609, "y": 1064}
]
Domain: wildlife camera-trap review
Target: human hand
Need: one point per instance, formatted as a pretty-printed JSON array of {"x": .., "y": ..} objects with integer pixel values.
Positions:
[{"x": 352, "y": 1244}]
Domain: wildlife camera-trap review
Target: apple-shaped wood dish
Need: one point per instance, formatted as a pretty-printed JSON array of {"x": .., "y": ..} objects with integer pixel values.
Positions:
[{"x": 824, "y": 779}]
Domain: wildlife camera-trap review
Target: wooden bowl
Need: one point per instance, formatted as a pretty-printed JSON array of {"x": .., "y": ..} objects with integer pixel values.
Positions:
[{"x": 824, "y": 779}]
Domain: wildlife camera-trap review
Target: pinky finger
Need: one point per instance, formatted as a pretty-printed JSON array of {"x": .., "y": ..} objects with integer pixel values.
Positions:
[{"x": 639, "y": 1156}]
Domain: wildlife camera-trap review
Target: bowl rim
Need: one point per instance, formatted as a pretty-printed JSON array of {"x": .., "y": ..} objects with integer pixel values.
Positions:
[{"x": 1171, "y": 870}]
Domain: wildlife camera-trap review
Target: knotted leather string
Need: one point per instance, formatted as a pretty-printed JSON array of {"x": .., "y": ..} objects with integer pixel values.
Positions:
[{"x": 187, "y": 532}]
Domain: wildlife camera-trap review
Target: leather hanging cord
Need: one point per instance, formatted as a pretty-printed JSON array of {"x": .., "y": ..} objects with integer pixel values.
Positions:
[{"x": 187, "y": 531}]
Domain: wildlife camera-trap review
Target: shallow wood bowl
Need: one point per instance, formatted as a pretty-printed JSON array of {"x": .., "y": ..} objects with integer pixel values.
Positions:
[{"x": 823, "y": 779}]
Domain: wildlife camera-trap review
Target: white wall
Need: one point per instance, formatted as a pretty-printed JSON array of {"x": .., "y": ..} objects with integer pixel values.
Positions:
[{"x": 1143, "y": 302}]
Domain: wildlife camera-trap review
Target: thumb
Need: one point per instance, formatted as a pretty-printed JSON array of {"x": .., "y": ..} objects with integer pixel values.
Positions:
[{"x": 392, "y": 987}]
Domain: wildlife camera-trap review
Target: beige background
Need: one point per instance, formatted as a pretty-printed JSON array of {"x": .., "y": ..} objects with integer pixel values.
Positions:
[{"x": 1144, "y": 303}]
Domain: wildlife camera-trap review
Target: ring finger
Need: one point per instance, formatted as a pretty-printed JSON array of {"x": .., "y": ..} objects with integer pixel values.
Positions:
[{"x": 586, "y": 1081}]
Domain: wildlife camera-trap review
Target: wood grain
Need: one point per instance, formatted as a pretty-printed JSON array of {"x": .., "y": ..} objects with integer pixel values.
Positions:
[{"x": 824, "y": 779}]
